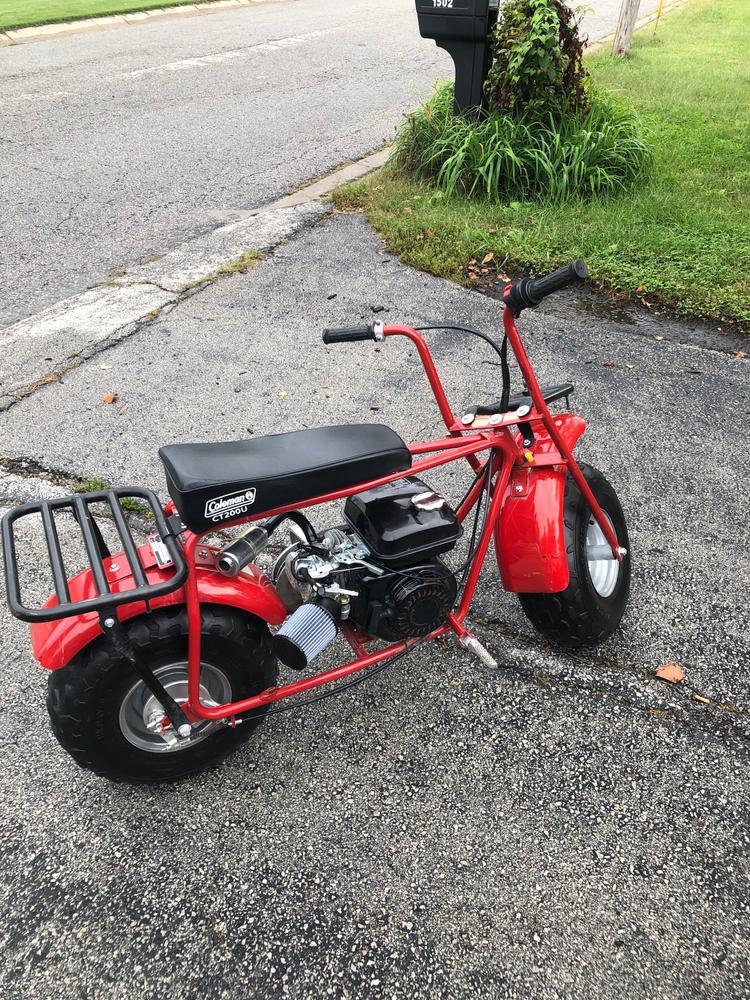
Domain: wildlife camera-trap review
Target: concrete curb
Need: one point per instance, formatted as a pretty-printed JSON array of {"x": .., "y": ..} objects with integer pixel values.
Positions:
[
  {"x": 43, "y": 32},
  {"x": 39, "y": 349}
]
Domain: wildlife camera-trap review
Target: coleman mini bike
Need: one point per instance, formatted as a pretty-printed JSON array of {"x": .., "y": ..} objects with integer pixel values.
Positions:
[{"x": 163, "y": 656}]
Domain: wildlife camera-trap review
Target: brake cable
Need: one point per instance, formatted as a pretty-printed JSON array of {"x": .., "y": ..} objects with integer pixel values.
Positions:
[
  {"x": 258, "y": 713},
  {"x": 501, "y": 351}
]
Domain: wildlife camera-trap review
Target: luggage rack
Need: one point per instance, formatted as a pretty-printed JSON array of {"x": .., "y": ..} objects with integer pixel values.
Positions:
[{"x": 96, "y": 552}]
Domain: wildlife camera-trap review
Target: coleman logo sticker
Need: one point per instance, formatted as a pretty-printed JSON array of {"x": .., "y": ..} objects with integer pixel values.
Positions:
[{"x": 229, "y": 506}]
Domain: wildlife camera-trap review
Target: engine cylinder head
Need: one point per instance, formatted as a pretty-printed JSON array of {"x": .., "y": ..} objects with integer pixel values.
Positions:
[{"x": 306, "y": 633}]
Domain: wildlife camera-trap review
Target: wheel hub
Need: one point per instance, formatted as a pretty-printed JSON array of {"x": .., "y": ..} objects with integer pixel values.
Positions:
[
  {"x": 143, "y": 721},
  {"x": 604, "y": 570}
]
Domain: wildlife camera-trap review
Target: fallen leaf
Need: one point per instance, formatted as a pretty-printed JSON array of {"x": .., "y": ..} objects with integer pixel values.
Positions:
[
  {"x": 671, "y": 672},
  {"x": 740, "y": 354},
  {"x": 608, "y": 364},
  {"x": 105, "y": 368},
  {"x": 124, "y": 408},
  {"x": 430, "y": 234},
  {"x": 487, "y": 258},
  {"x": 630, "y": 366},
  {"x": 640, "y": 290},
  {"x": 658, "y": 338},
  {"x": 109, "y": 397},
  {"x": 455, "y": 684},
  {"x": 282, "y": 393},
  {"x": 408, "y": 210}
]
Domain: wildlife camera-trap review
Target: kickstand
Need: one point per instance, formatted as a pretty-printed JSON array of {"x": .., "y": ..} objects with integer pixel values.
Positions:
[{"x": 122, "y": 643}]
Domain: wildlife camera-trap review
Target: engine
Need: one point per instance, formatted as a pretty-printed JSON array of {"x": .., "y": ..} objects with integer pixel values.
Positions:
[{"x": 380, "y": 570}]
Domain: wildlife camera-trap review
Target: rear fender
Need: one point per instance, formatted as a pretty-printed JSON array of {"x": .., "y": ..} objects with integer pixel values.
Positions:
[
  {"x": 530, "y": 534},
  {"x": 56, "y": 643}
]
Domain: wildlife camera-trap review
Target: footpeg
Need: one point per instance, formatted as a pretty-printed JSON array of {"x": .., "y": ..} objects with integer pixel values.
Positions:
[{"x": 474, "y": 646}]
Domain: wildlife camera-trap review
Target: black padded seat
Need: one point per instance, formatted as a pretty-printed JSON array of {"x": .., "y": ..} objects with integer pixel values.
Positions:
[{"x": 214, "y": 483}]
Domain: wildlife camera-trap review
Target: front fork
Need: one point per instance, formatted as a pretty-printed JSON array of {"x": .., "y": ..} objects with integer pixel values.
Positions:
[{"x": 511, "y": 331}]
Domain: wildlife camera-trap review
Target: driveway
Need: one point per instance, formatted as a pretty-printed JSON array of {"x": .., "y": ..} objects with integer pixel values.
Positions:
[{"x": 563, "y": 826}]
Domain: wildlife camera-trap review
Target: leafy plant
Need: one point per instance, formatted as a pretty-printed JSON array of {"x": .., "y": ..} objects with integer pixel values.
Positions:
[
  {"x": 538, "y": 66},
  {"x": 557, "y": 157}
]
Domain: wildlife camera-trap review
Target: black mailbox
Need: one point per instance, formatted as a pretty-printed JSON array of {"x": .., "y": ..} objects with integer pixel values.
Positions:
[{"x": 462, "y": 28}]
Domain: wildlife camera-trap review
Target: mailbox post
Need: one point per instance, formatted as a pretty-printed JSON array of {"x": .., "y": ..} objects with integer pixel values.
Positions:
[{"x": 463, "y": 28}]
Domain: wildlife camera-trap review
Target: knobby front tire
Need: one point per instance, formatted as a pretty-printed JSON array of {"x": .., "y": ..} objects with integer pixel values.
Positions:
[{"x": 591, "y": 608}]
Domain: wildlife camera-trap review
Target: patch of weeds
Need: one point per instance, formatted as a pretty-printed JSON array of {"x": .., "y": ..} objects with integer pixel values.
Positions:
[
  {"x": 244, "y": 263},
  {"x": 92, "y": 485},
  {"x": 352, "y": 197},
  {"x": 577, "y": 153},
  {"x": 95, "y": 485}
]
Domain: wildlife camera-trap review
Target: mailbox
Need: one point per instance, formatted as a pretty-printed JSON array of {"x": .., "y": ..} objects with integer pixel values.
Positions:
[{"x": 463, "y": 29}]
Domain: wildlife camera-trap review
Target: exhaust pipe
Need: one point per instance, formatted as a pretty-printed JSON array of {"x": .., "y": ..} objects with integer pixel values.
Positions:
[{"x": 243, "y": 550}]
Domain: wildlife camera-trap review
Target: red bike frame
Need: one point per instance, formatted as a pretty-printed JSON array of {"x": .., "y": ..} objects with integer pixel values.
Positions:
[
  {"x": 524, "y": 515},
  {"x": 506, "y": 452}
]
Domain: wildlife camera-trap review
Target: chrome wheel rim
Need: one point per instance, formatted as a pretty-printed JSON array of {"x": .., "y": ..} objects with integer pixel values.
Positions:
[
  {"x": 603, "y": 572},
  {"x": 141, "y": 714}
]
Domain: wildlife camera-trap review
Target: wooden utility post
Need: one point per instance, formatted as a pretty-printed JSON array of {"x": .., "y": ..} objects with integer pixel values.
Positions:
[{"x": 625, "y": 27}]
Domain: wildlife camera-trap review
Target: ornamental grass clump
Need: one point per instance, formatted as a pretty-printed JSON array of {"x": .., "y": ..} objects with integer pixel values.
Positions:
[{"x": 548, "y": 134}]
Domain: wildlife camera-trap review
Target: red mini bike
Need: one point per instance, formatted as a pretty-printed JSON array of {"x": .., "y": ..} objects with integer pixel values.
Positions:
[{"x": 164, "y": 656}]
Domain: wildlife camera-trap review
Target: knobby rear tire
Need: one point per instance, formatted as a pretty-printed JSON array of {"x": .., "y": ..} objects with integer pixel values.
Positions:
[{"x": 85, "y": 697}]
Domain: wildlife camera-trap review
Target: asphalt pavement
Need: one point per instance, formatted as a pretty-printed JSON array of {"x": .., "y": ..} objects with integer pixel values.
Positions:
[
  {"x": 563, "y": 826},
  {"x": 118, "y": 145}
]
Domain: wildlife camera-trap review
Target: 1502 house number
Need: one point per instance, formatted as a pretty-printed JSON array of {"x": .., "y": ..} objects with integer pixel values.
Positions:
[{"x": 442, "y": 3}]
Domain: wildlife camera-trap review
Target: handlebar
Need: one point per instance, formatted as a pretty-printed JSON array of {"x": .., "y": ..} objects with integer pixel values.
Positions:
[
  {"x": 530, "y": 291},
  {"x": 349, "y": 334}
]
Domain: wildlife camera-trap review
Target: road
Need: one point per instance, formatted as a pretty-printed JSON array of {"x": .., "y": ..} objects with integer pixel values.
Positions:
[{"x": 118, "y": 145}]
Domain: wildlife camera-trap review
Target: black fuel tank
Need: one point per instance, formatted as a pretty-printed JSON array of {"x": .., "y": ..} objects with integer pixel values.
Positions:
[{"x": 398, "y": 531}]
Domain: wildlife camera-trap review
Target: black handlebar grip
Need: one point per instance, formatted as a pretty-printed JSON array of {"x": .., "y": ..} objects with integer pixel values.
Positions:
[
  {"x": 347, "y": 334},
  {"x": 530, "y": 291}
]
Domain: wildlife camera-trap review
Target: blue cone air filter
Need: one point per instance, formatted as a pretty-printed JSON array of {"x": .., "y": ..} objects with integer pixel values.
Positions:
[{"x": 304, "y": 635}]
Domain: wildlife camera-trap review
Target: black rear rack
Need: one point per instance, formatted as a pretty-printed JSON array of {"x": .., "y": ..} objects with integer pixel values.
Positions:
[{"x": 96, "y": 552}]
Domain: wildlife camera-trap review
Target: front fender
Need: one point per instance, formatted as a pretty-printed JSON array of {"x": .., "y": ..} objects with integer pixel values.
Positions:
[
  {"x": 530, "y": 534},
  {"x": 56, "y": 643}
]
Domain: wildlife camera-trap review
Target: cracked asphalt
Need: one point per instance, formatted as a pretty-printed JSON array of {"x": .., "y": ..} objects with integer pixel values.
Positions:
[{"x": 563, "y": 826}]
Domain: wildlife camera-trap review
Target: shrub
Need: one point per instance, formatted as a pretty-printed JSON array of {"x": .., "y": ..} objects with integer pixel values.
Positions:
[
  {"x": 537, "y": 66},
  {"x": 596, "y": 151}
]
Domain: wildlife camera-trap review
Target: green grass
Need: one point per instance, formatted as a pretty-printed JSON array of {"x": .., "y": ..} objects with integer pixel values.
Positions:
[
  {"x": 25, "y": 13},
  {"x": 681, "y": 237},
  {"x": 96, "y": 485},
  {"x": 501, "y": 158}
]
